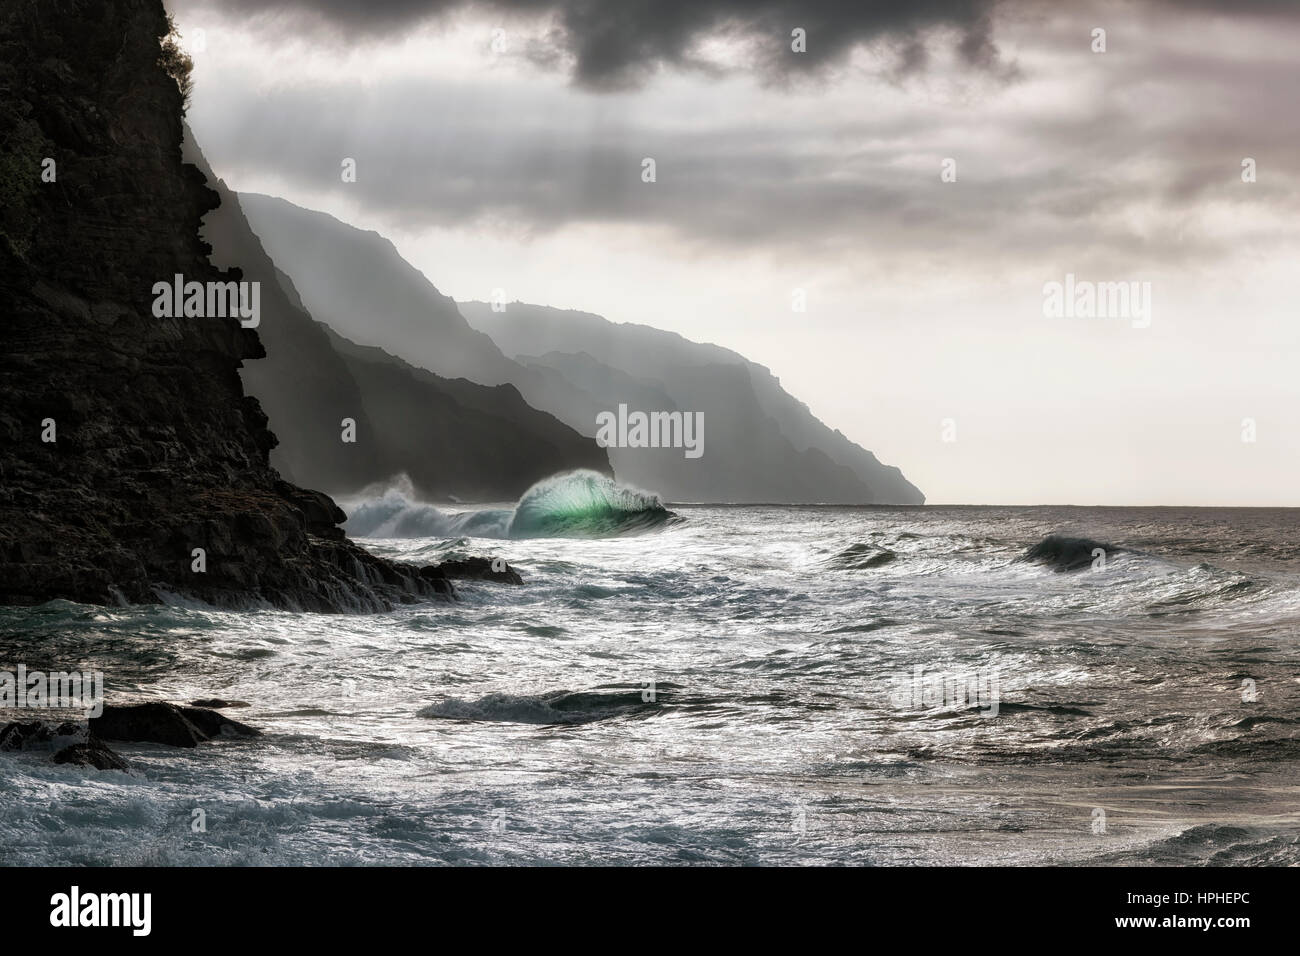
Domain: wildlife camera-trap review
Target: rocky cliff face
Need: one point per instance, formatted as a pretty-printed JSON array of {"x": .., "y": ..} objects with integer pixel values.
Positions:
[{"x": 126, "y": 439}]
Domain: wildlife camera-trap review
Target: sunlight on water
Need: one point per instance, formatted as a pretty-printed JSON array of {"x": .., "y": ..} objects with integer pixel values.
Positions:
[{"x": 747, "y": 685}]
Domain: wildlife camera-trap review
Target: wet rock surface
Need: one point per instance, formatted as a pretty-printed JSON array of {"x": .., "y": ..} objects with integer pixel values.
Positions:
[
  {"x": 477, "y": 569},
  {"x": 164, "y": 723},
  {"x": 86, "y": 742},
  {"x": 67, "y": 742},
  {"x": 93, "y": 753},
  {"x": 217, "y": 703}
]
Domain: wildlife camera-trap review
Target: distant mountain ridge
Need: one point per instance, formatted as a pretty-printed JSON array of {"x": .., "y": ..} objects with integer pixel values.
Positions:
[
  {"x": 452, "y": 438},
  {"x": 571, "y": 344},
  {"x": 358, "y": 284},
  {"x": 761, "y": 444}
]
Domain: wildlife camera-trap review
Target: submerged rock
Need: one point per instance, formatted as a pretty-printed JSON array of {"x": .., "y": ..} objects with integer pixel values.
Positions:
[
  {"x": 478, "y": 569},
  {"x": 93, "y": 753},
  {"x": 72, "y": 743},
  {"x": 164, "y": 723},
  {"x": 858, "y": 557},
  {"x": 217, "y": 703},
  {"x": 35, "y": 734}
]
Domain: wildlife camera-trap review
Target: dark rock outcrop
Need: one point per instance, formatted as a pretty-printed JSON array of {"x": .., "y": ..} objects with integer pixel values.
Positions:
[
  {"x": 93, "y": 753},
  {"x": 478, "y": 569},
  {"x": 126, "y": 440},
  {"x": 71, "y": 743},
  {"x": 164, "y": 723},
  {"x": 36, "y": 734}
]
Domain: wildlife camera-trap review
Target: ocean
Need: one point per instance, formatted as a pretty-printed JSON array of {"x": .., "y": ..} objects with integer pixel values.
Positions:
[{"x": 716, "y": 685}]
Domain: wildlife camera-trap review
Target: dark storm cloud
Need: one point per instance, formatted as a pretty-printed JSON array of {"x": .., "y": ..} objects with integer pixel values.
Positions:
[
  {"x": 740, "y": 186},
  {"x": 617, "y": 43},
  {"x": 1161, "y": 130}
]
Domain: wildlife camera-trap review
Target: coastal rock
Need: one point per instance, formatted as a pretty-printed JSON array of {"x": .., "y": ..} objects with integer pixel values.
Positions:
[
  {"x": 165, "y": 723},
  {"x": 133, "y": 468},
  {"x": 217, "y": 703},
  {"x": 93, "y": 753},
  {"x": 72, "y": 743},
  {"x": 35, "y": 734},
  {"x": 213, "y": 724},
  {"x": 473, "y": 568}
]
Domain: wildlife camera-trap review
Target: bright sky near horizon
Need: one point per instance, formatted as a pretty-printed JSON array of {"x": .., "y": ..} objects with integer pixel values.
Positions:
[{"x": 503, "y": 146}]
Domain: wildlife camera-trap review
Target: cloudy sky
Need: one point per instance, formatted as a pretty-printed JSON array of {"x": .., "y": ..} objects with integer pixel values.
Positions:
[{"x": 501, "y": 146}]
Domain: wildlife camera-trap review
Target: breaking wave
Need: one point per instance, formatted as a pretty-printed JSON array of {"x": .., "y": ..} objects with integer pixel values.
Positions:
[
  {"x": 576, "y": 504},
  {"x": 585, "y": 504}
]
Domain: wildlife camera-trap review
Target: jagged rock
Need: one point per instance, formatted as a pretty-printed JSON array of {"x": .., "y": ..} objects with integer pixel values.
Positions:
[
  {"x": 156, "y": 449},
  {"x": 215, "y": 724},
  {"x": 479, "y": 569},
  {"x": 165, "y": 723},
  {"x": 34, "y": 734},
  {"x": 72, "y": 743},
  {"x": 93, "y": 753}
]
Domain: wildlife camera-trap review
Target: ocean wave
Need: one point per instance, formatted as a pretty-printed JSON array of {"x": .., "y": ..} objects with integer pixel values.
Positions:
[
  {"x": 1064, "y": 553},
  {"x": 585, "y": 504},
  {"x": 575, "y": 504},
  {"x": 395, "y": 515},
  {"x": 858, "y": 557},
  {"x": 1218, "y": 844},
  {"x": 555, "y": 707},
  {"x": 1204, "y": 586}
]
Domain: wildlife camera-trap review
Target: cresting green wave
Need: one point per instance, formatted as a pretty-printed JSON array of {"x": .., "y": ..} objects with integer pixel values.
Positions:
[{"x": 585, "y": 504}]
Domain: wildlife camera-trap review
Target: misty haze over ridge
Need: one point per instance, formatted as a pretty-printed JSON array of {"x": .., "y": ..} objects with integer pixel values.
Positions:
[
  {"x": 760, "y": 444},
  {"x": 452, "y": 438},
  {"x": 776, "y": 173}
]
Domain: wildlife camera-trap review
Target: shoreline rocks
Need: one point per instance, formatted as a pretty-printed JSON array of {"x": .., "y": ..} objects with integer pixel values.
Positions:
[
  {"x": 474, "y": 569},
  {"x": 160, "y": 722},
  {"x": 84, "y": 743},
  {"x": 68, "y": 741},
  {"x": 93, "y": 753}
]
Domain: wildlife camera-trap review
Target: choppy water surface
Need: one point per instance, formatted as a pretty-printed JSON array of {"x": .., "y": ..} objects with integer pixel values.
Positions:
[{"x": 520, "y": 725}]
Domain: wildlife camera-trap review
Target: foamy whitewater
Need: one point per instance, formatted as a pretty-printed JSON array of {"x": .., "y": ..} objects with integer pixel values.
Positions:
[{"x": 730, "y": 685}]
